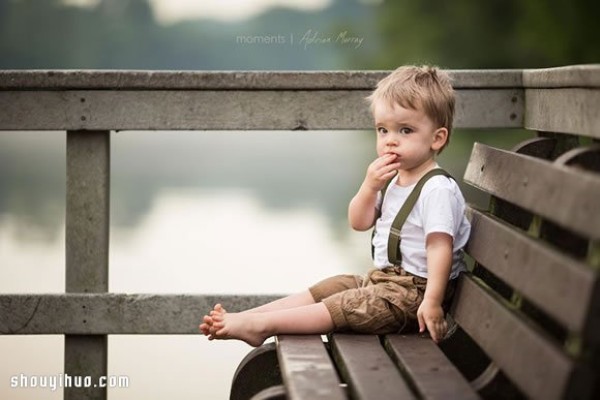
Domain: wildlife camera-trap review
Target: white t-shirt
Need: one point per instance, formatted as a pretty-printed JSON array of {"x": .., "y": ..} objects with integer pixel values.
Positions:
[{"x": 440, "y": 208}]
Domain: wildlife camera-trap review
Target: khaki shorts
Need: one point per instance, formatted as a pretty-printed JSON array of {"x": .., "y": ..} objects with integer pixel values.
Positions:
[{"x": 384, "y": 301}]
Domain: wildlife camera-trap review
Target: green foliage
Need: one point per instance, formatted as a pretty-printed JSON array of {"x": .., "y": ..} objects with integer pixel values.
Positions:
[
  {"x": 490, "y": 34},
  {"x": 459, "y": 34}
]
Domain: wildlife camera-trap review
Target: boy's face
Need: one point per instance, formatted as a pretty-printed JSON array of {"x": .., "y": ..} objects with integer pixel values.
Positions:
[{"x": 408, "y": 134}]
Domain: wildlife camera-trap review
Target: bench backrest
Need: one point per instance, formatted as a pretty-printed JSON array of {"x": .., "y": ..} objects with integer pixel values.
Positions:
[
  {"x": 532, "y": 302},
  {"x": 91, "y": 104}
]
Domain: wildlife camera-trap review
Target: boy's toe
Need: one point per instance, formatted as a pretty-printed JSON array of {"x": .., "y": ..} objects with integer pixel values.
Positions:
[{"x": 219, "y": 308}]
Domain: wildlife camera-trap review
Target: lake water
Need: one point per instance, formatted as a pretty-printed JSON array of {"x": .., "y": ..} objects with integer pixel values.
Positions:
[{"x": 176, "y": 197}]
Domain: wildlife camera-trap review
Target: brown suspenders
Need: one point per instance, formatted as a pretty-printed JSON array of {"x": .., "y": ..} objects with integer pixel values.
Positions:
[{"x": 393, "y": 248}]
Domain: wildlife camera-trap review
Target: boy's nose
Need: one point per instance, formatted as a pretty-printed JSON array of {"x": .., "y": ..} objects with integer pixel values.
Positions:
[{"x": 391, "y": 142}]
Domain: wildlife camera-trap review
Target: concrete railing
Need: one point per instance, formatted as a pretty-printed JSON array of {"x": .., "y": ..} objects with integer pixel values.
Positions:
[{"x": 91, "y": 104}]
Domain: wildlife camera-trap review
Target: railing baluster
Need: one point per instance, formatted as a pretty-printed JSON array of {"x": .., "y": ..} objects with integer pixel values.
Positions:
[{"x": 87, "y": 227}]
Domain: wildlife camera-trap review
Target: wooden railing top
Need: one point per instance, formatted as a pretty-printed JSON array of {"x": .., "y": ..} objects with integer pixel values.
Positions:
[
  {"x": 232, "y": 80},
  {"x": 571, "y": 76},
  {"x": 537, "y": 99},
  {"x": 575, "y": 76}
]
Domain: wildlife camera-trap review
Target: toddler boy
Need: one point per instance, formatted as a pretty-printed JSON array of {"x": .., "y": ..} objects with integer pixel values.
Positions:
[{"x": 413, "y": 109}]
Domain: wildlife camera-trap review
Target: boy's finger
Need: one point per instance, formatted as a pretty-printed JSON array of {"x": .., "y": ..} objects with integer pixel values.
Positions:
[
  {"x": 393, "y": 164},
  {"x": 421, "y": 323},
  {"x": 388, "y": 175},
  {"x": 390, "y": 168},
  {"x": 441, "y": 331},
  {"x": 433, "y": 331},
  {"x": 385, "y": 159}
]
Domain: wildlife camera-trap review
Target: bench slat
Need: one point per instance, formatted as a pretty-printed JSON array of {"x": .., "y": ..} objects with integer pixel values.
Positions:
[
  {"x": 432, "y": 373},
  {"x": 367, "y": 368},
  {"x": 554, "y": 282},
  {"x": 539, "y": 186},
  {"x": 306, "y": 368},
  {"x": 531, "y": 361}
]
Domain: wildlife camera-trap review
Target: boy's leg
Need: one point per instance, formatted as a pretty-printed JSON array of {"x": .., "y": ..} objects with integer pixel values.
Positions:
[
  {"x": 255, "y": 328},
  {"x": 319, "y": 291},
  {"x": 292, "y": 301},
  {"x": 315, "y": 294}
]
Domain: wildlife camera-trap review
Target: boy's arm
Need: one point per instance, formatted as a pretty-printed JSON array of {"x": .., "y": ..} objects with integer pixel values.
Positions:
[
  {"x": 361, "y": 211},
  {"x": 439, "y": 263}
]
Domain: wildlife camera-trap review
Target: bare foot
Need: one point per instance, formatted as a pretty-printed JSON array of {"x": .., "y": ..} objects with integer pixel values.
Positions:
[
  {"x": 248, "y": 327},
  {"x": 206, "y": 325},
  {"x": 207, "y": 321},
  {"x": 217, "y": 311}
]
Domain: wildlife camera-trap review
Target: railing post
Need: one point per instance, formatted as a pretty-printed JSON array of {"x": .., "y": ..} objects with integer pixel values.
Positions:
[{"x": 87, "y": 227}]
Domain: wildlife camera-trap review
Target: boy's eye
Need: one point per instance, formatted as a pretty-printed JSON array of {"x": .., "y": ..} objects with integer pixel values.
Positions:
[
  {"x": 405, "y": 130},
  {"x": 381, "y": 130}
]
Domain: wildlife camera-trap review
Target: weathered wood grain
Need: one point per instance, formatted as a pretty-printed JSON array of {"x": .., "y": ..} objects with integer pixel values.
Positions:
[
  {"x": 306, "y": 369},
  {"x": 533, "y": 362},
  {"x": 550, "y": 279},
  {"x": 86, "y": 237},
  {"x": 567, "y": 110},
  {"x": 569, "y": 76},
  {"x": 87, "y": 212},
  {"x": 228, "y": 80},
  {"x": 430, "y": 371},
  {"x": 367, "y": 368},
  {"x": 112, "y": 313},
  {"x": 229, "y": 110},
  {"x": 567, "y": 196}
]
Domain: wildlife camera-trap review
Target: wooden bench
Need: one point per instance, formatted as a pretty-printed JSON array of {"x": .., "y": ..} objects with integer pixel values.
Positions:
[
  {"x": 525, "y": 322},
  {"x": 526, "y": 318}
]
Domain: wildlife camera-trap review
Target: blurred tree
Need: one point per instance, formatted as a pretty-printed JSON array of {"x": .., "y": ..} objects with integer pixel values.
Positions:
[
  {"x": 560, "y": 31},
  {"x": 458, "y": 34},
  {"x": 490, "y": 34}
]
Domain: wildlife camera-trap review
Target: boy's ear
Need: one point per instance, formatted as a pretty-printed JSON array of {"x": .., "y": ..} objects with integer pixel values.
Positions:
[{"x": 440, "y": 137}]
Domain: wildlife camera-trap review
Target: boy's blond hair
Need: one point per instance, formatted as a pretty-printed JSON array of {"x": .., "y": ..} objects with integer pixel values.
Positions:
[{"x": 424, "y": 88}]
